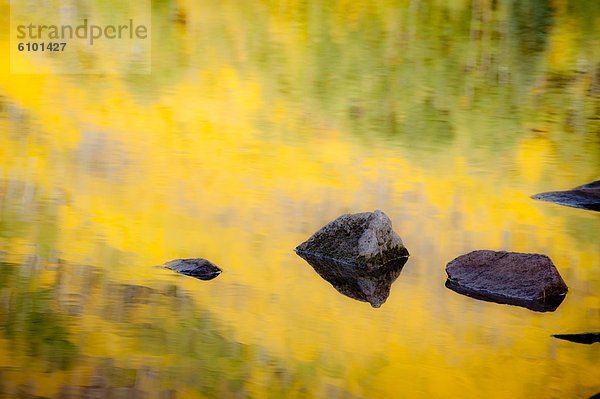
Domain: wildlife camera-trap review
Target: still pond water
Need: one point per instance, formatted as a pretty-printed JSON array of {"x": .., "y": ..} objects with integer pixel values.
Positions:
[{"x": 261, "y": 122}]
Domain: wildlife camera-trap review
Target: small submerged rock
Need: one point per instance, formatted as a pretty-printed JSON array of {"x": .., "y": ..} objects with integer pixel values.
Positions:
[
  {"x": 359, "y": 254},
  {"x": 528, "y": 280},
  {"x": 195, "y": 267},
  {"x": 584, "y": 197},
  {"x": 583, "y": 338}
]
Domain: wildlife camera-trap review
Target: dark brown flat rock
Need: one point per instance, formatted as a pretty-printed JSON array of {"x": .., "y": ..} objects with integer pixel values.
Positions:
[
  {"x": 196, "y": 267},
  {"x": 582, "y": 338},
  {"x": 527, "y": 280},
  {"x": 359, "y": 254},
  {"x": 584, "y": 197}
]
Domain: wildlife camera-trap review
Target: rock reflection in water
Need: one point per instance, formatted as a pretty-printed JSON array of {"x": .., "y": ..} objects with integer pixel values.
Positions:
[{"x": 373, "y": 287}]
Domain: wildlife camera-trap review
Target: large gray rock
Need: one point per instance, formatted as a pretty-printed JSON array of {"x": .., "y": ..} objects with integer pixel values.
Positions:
[
  {"x": 584, "y": 197},
  {"x": 195, "y": 267},
  {"x": 359, "y": 254},
  {"x": 364, "y": 241},
  {"x": 528, "y": 280}
]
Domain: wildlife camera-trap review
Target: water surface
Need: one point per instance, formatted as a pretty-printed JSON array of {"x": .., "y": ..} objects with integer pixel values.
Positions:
[{"x": 260, "y": 123}]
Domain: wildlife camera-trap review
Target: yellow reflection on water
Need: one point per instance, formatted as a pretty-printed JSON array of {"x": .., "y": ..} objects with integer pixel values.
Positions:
[{"x": 103, "y": 178}]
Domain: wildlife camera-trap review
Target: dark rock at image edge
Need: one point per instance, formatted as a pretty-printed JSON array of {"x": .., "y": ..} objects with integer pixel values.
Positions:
[
  {"x": 582, "y": 338},
  {"x": 584, "y": 197}
]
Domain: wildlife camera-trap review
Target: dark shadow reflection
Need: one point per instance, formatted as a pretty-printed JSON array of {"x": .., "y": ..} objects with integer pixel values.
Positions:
[
  {"x": 548, "y": 304},
  {"x": 373, "y": 287}
]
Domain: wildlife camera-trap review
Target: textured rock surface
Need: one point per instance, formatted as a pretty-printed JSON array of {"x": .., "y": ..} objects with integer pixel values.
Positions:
[
  {"x": 373, "y": 287},
  {"x": 583, "y": 338},
  {"x": 585, "y": 197},
  {"x": 362, "y": 241},
  {"x": 359, "y": 254},
  {"x": 196, "y": 267},
  {"x": 528, "y": 280}
]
